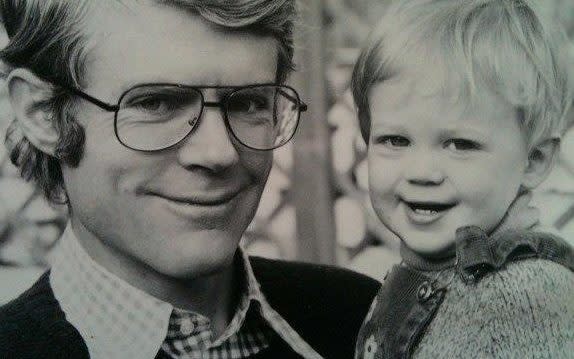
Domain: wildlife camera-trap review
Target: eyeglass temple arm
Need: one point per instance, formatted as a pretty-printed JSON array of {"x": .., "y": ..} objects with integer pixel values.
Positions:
[
  {"x": 85, "y": 96},
  {"x": 302, "y": 106}
]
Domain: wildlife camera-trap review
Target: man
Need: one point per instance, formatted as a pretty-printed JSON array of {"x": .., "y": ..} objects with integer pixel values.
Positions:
[{"x": 154, "y": 121}]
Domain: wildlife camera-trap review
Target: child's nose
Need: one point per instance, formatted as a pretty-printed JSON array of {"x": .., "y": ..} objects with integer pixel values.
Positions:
[{"x": 424, "y": 170}]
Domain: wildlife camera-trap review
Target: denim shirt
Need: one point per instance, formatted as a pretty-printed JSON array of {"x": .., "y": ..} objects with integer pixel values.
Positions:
[{"x": 410, "y": 296}]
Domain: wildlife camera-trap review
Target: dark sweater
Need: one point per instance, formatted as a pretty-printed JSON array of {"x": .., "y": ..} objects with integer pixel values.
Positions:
[{"x": 325, "y": 305}]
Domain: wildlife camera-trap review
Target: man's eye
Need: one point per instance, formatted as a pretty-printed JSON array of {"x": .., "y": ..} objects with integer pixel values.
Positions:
[
  {"x": 393, "y": 141},
  {"x": 248, "y": 104},
  {"x": 156, "y": 104},
  {"x": 460, "y": 144}
]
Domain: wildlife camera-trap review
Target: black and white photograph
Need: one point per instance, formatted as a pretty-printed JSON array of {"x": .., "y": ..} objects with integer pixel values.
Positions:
[{"x": 230, "y": 179}]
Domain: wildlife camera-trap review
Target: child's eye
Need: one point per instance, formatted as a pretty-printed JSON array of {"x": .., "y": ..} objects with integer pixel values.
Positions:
[
  {"x": 461, "y": 144},
  {"x": 392, "y": 141}
]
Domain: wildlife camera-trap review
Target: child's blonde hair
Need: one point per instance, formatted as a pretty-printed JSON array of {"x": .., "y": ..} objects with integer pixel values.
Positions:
[{"x": 507, "y": 47}]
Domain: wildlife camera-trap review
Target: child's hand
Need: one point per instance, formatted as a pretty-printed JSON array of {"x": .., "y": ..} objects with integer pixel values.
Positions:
[{"x": 519, "y": 215}]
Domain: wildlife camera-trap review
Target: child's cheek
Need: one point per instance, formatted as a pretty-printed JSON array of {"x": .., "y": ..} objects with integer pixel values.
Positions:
[
  {"x": 383, "y": 173},
  {"x": 483, "y": 201}
]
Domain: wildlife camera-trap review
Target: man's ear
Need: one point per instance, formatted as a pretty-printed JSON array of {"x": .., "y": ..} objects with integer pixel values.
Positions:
[
  {"x": 27, "y": 93},
  {"x": 541, "y": 160}
]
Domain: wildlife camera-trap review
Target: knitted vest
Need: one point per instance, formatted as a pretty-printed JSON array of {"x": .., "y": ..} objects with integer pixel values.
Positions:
[{"x": 506, "y": 297}]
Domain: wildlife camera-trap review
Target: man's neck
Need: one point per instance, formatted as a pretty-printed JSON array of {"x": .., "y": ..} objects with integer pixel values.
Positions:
[{"x": 214, "y": 295}]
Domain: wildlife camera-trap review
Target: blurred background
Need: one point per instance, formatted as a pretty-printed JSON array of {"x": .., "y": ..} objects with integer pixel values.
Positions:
[{"x": 315, "y": 207}]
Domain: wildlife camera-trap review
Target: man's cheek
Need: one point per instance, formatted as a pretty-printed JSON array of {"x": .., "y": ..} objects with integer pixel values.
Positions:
[{"x": 258, "y": 163}]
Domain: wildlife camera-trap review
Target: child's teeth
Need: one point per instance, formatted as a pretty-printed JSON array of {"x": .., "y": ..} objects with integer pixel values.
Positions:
[{"x": 425, "y": 211}]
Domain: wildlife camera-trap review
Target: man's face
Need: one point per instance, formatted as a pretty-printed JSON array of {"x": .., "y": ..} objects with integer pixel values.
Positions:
[
  {"x": 180, "y": 211},
  {"x": 437, "y": 162}
]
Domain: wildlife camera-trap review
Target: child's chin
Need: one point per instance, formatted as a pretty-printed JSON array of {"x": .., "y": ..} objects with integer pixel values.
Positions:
[{"x": 431, "y": 249}]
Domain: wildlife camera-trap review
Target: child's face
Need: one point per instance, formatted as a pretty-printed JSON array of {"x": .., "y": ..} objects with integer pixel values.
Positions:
[{"x": 437, "y": 163}]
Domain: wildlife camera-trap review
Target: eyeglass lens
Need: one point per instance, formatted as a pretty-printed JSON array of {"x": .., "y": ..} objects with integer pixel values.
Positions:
[{"x": 155, "y": 117}]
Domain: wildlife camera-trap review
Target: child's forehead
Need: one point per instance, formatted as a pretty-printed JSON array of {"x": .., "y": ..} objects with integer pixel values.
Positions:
[
  {"x": 428, "y": 83},
  {"x": 417, "y": 85},
  {"x": 412, "y": 95},
  {"x": 419, "y": 82},
  {"x": 423, "y": 69}
]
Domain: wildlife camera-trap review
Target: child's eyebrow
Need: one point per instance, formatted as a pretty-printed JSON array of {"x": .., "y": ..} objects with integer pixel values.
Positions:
[
  {"x": 386, "y": 127},
  {"x": 466, "y": 130}
]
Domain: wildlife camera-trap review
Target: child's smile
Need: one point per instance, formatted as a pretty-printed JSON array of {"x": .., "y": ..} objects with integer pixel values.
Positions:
[
  {"x": 438, "y": 162},
  {"x": 425, "y": 212}
]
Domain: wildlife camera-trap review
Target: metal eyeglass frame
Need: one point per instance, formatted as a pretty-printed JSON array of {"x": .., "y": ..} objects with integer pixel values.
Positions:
[{"x": 221, "y": 104}]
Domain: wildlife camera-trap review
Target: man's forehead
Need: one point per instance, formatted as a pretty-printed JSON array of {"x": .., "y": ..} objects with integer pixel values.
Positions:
[
  {"x": 110, "y": 16},
  {"x": 146, "y": 42},
  {"x": 134, "y": 18}
]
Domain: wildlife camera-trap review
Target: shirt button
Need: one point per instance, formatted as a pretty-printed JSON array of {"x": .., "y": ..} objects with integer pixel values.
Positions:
[
  {"x": 187, "y": 327},
  {"x": 424, "y": 292}
]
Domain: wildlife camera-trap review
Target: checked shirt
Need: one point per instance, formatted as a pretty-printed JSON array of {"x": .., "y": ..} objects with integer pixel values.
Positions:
[{"x": 117, "y": 320}]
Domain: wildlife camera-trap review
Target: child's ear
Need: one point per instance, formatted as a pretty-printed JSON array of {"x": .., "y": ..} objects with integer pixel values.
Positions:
[
  {"x": 541, "y": 160},
  {"x": 27, "y": 93}
]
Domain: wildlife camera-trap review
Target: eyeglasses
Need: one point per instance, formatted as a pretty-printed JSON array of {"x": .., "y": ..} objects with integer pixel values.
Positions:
[{"x": 154, "y": 117}]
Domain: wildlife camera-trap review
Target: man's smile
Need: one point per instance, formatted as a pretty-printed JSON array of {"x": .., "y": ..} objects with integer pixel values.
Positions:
[
  {"x": 204, "y": 199},
  {"x": 208, "y": 204}
]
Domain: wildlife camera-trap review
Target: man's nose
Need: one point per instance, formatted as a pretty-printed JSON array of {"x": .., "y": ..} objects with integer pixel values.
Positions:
[
  {"x": 209, "y": 145},
  {"x": 424, "y": 168}
]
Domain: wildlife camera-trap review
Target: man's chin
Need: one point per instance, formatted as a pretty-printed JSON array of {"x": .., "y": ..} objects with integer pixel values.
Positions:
[
  {"x": 193, "y": 266},
  {"x": 197, "y": 254}
]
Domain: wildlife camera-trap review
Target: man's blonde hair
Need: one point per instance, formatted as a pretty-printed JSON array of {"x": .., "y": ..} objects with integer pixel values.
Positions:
[{"x": 507, "y": 47}]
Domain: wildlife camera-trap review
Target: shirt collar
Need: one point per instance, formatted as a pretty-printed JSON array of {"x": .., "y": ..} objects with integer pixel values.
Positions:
[{"x": 117, "y": 320}]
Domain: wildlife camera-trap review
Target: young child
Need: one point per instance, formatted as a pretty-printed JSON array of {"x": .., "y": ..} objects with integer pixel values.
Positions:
[{"x": 462, "y": 104}]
